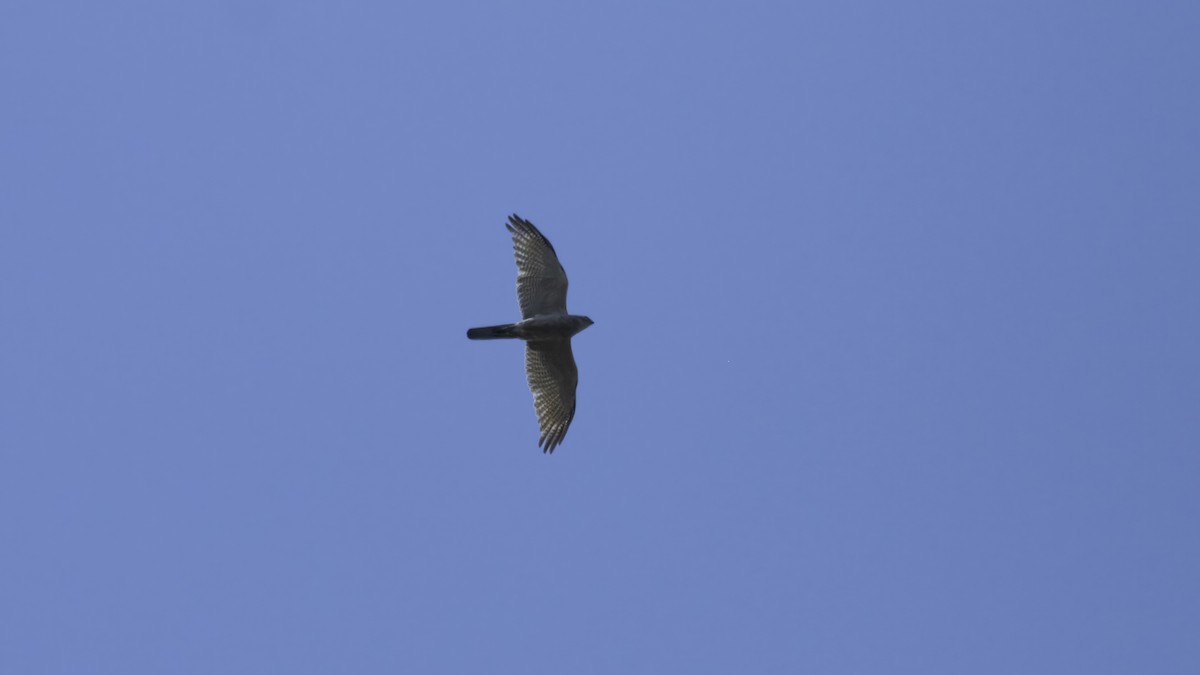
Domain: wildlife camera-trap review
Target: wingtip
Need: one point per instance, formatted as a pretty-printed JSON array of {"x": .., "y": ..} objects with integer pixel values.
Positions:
[
  {"x": 518, "y": 225},
  {"x": 552, "y": 440}
]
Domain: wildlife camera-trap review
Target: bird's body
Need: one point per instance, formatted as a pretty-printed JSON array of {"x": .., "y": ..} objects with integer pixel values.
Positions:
[
  {"x": 551, "y": 327},
  {"x": 547, "y": 329}
]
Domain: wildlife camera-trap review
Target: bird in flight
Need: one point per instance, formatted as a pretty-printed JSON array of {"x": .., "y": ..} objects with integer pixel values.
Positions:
[{"x": 546, "y": 328}]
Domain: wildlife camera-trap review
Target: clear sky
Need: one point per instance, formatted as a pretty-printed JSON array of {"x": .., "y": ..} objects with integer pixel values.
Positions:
[{"x": 894, "y": 367}]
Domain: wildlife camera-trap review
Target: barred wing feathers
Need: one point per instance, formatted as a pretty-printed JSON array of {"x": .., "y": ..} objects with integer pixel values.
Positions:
[
  {"x": 541, "y": 280},
  {"x": 550, "y": 367}
]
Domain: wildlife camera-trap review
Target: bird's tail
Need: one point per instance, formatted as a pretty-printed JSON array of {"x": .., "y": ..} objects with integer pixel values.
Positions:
[{"x": 491, "y": 332}]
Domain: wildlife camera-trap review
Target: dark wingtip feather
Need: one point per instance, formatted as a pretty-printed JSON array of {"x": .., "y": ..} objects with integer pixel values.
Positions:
[
  {"x": 518, "y": 224},
  {"x": 554, "y": 438}
]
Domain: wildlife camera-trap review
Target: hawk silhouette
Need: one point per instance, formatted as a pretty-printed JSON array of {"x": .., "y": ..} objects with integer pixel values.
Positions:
[{"x": 546, "y": 328}]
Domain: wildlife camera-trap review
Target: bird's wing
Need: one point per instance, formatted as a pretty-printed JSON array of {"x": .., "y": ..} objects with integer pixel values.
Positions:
[
  {"x": 541, "y": 280},
  {"x": 550, "y": 367}
]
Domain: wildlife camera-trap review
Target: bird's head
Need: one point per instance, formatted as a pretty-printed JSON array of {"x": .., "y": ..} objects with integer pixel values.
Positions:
[{"x": 581, "y": 322}]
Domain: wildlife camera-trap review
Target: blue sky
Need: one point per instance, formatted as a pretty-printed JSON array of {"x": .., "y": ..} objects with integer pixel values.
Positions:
[{"x": 894, "y": 367}]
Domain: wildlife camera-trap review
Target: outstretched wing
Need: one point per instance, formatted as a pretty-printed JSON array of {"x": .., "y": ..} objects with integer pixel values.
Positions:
[
  {"x": 541, "y": 280},
  {"x": 550, "y": 367}
]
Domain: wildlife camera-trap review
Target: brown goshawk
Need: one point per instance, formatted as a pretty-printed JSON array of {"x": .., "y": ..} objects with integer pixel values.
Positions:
[{"x": 546, "y": 328}]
